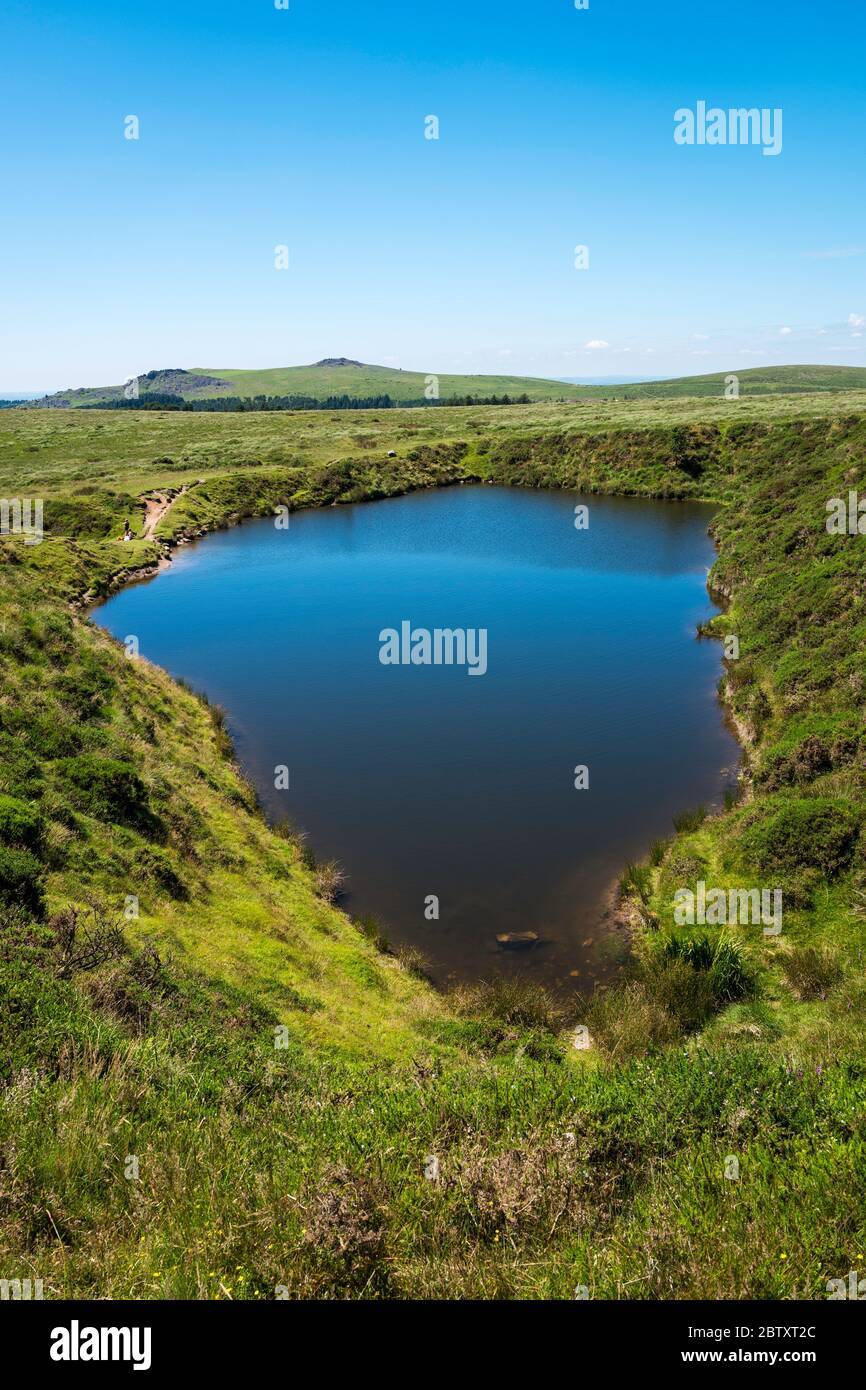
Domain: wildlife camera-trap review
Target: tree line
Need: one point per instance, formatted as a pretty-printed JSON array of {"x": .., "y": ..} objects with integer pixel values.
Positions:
[{"x": 161, "y": 400}]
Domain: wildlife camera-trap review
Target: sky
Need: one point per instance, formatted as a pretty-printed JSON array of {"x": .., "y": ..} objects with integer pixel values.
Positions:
[{"x": 304, "y": 128}]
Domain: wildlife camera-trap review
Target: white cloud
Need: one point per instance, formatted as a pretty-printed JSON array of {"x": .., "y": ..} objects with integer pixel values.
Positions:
[
  {"x": 856, "y": 320},
  {"x": 785, "y": 331},
  {"x": 595, "y": 344},
  {"x": 700, "y": 337}
]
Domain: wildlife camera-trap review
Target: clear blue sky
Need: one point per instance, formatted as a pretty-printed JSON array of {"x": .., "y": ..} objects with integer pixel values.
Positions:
[{"x": 305, "y": 127}]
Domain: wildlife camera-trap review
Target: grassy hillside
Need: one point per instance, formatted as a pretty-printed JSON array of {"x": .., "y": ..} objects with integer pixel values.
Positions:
[
  {"x": 754, "y": 381},
  {"x": 358, "y": 380},
  {"x": 302, "y": 1158},
  {"x": 319, "y": 382},
  {"x": 364, "y": 380}
]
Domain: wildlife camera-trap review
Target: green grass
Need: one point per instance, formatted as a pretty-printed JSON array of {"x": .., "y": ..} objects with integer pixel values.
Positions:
[
  {"x": 363, "y": 380},
  {"x": 97, "y": 463},
  {"x": 308, "y": 1165}
]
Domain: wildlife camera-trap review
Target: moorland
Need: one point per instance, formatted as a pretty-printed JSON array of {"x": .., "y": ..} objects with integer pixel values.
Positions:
[{"x": 215, "y": 1084}]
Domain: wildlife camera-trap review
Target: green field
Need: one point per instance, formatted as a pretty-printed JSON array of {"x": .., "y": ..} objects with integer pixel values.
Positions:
[
  {"x": 71, "y": 451},
  {"x": 364, "y": 382},
  {"x": 300, "y": 1158}
]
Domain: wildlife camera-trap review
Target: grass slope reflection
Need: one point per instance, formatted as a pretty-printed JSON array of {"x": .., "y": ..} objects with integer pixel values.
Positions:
[{"x": 423, "y": 782}]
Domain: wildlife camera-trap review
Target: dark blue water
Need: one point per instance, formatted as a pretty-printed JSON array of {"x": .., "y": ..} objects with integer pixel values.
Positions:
[{"x": 425, "y": 780}]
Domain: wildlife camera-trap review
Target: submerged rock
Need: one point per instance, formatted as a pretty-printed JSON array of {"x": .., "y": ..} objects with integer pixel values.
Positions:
[{"x": 517, "y": 940}]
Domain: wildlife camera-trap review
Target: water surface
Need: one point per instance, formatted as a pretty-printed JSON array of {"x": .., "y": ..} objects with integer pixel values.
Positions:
[{"x": 424, "y": 780}]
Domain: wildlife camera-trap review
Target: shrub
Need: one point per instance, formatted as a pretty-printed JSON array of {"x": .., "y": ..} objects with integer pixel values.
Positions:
[
  {"x": 329, "y": 879},
  {"x": 685, "y": 993},
  {"x": 20, "y": 823},
  {"x": 157, "y": 865},
  {"x": 803, "y": 763},
  {"x": 22, "y": 772},
  {"x": 50, "y": 736},
  {"x": 108, "y": 788},
  {"x": 85, "y": 938},
  {"x": 812, "y": 748},
  {"x": 130, "y": 989},
  {"x": 85, "y": 688},
  {"x": 344, "y": 1232},
  {"x": 800, "y": 887},
  {"x": 801, "y": 834},
  {"x": 44, "y": 1021},
  {"x": 21, "y": 880}
]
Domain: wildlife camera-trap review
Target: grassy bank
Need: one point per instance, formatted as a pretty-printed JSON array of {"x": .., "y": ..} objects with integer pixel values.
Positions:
[{"x": 216, "y": 1085}]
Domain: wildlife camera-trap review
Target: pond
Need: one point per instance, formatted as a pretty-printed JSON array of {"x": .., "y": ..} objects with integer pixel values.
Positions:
[{"x": 484, "y": 701}]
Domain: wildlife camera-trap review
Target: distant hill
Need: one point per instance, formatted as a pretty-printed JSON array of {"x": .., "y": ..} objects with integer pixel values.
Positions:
[
  {"x": 342, "y": 376},
  {"x": 169, "y": 381},
  {"x": 604, "y": 380},
  {"x": 756, "y": 381}
]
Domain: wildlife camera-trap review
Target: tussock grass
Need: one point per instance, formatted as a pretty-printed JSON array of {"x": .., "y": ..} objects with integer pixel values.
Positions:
[
  {"x": 510, "y": 1000},
  {"x": 636, "y": 881},
  {"x": 686, "y": 822},
  {"x": 811, "y": 971}
]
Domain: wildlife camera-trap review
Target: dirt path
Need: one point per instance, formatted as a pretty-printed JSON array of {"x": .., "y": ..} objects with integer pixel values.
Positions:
[{"x": 156, "y": 508}]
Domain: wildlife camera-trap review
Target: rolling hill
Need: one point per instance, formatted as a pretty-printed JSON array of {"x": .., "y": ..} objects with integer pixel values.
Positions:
[
  {"x": 754, "y": 381},
  {"x": 335, "y": 377}
]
